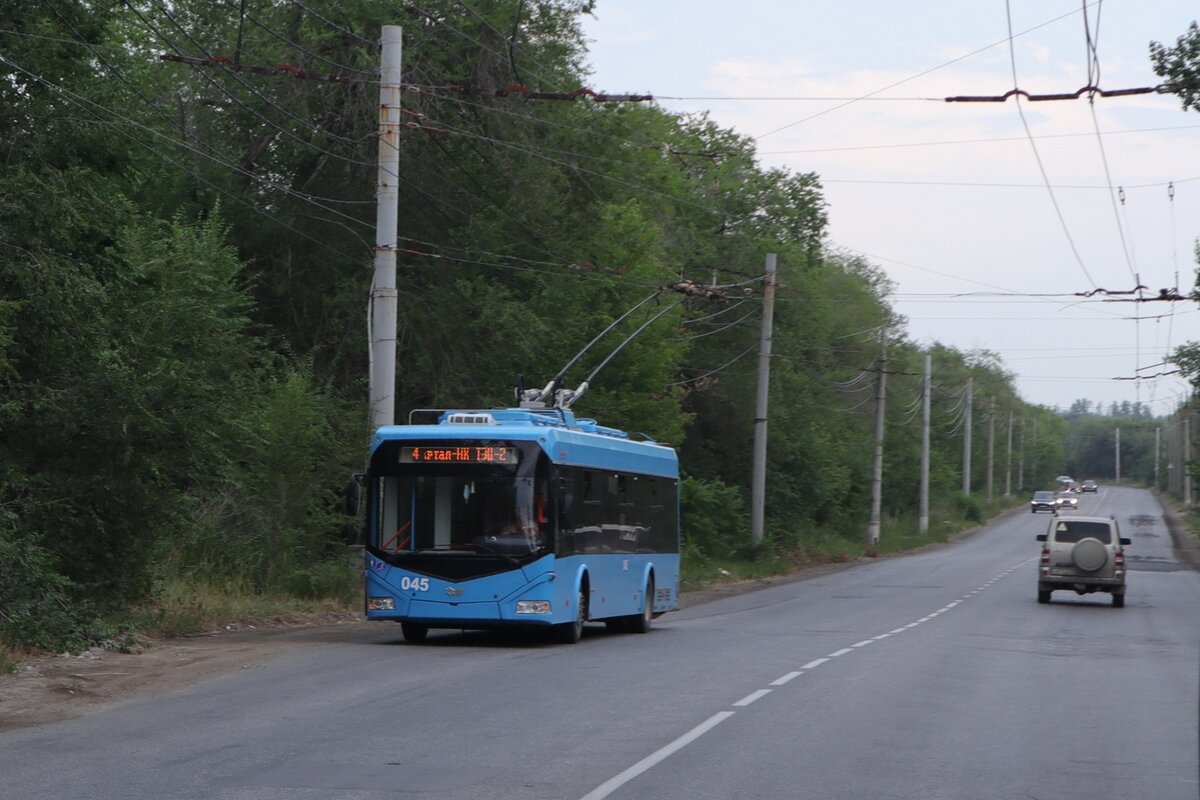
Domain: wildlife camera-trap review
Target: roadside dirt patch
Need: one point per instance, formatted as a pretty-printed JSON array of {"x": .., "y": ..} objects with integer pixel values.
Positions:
[{"x": 52, "y": 688}]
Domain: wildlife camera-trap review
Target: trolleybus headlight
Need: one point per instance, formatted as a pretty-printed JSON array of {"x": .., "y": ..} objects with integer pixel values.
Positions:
[
  {"x": 533, "y": 606},
  {"x": 381, "y": 604}
]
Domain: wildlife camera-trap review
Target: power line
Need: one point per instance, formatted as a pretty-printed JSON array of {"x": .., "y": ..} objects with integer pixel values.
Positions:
[
  {"x": 335, "y": 26},
  {"x": 985, "y": 140},
  {"x": 373, "y": 76},
  {"x": 724, "y": 366}
]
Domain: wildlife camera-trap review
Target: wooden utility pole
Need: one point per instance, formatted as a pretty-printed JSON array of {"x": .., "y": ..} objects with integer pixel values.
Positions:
[
  {"x": 387, "y": 200},
  {"x": 758, "y": 481}
]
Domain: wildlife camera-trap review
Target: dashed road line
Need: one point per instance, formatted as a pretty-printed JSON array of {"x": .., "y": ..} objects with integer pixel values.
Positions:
[
  {"x": 750, "y": 698},
  {"x": 617, "y": 781},
  {"x": 612, "y": 784}
]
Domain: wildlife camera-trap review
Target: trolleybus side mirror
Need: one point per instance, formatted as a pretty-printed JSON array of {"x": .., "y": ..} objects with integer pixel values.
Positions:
[{"x": 352, "y": 494}]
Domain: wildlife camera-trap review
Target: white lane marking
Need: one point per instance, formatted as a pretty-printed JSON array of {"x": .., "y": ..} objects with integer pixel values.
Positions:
[
  {"x": 617, "y": 781},
  {"x": 612, "y": 784},
  {"x": 750, "y": 698}
]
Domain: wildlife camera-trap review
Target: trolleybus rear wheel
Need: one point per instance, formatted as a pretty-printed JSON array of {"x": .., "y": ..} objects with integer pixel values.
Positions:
[{"x": 640, "y": 623}]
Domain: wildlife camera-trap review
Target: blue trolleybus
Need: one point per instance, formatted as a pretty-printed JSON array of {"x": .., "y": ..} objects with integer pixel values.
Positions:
[{"x": 519, "y": 517}]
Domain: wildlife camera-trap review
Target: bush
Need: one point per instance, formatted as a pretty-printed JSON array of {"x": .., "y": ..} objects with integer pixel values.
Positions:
[
  {"x": 713, "y": 516},
  {"x": 969, "y": 507},
  {"x": 36, "y": 608},
  {"x": 328, "y": 580}
]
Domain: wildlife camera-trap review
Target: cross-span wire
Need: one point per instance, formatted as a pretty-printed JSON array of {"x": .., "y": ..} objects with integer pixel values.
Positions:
[{"x": 1012, "y": 55}]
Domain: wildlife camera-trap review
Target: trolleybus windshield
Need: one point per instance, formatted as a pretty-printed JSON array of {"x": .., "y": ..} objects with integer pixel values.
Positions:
[{"x": 464, "y": 499}]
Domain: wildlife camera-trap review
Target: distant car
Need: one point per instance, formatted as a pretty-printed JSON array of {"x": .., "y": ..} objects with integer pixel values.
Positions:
[
  {"x": 1073, "y": 487},
  {"x": 1089, "y": 486},
  {"x": 1083, "y": 554},
  {"x": 1043, "y": 501},
  {"x": 1067, "y": 500}
]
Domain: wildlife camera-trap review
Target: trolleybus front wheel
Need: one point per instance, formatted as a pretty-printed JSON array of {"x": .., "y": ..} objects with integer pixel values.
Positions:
[
  {"x": 572, "y": 632},
  {"x": 414, "y": 631}
]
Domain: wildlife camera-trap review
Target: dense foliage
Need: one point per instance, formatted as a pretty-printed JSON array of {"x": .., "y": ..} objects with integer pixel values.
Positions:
[{"x": 185, "y": 258}]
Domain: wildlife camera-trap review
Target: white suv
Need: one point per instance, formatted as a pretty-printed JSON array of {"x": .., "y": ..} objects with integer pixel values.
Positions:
[{"x": 1083, "y": 554}]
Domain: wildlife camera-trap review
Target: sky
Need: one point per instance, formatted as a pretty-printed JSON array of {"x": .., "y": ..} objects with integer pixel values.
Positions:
[{"x": 969, "y": 208}]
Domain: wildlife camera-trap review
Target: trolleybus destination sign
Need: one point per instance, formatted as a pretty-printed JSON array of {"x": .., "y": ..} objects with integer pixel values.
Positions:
[{"x": 459, "y": 454}]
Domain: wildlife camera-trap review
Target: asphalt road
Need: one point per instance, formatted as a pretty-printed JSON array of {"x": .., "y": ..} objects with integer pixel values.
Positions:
[{"x": 935, "y": 675}]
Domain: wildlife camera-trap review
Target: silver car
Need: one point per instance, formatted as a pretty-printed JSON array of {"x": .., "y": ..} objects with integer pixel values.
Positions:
[{"x": 1084, "y": 555}]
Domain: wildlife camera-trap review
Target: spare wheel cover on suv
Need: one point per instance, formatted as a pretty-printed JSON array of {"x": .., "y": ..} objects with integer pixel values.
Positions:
[{"x": 1089, "y": 554}]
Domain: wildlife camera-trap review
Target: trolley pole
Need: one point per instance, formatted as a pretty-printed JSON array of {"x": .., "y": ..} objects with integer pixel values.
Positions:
[
  {"x": 877, "y": 473},
  {"x": 758, "y": 488},
  {"x": 387, "y": 200}
]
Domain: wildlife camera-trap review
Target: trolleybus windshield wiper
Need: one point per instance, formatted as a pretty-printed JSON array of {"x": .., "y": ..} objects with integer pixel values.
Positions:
[{"x": 488, "y": 549}]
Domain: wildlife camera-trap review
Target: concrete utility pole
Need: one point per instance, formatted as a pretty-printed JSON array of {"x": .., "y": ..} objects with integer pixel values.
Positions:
[
  {"x": 1021, "y": 460},
  {"x": 1008, "y": 458},
  {"x": 991, "y": 468},
  {"x": 966, "y": 478},
  {"x": 387, "y": 200},
  {"x": 1185, "y": 457},
  {"x": 1036, "y": 460},
  {"x": 1157, "y": 454},
  {"x": 758, "y": 484},
  {"x": 923, "y": 508},
  {"x": 1118, "y": 456},
  {"x": 877, "y": 472}
]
